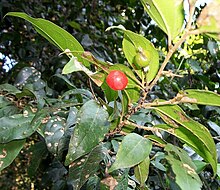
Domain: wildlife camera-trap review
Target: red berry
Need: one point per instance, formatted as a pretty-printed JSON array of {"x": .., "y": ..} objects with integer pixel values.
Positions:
[{"x": 117, "y": 80}]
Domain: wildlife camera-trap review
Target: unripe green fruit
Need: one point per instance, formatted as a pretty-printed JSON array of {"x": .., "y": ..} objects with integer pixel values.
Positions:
[{"x": 142, "y": 59}]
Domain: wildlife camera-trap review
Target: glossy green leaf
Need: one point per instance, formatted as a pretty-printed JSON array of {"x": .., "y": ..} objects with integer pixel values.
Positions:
[
  {"x": 131, "y": 43},
  {"x": 132, "y": 150},
  {"x": 183, "y": 168},
  {"x": 202, "y": 97},
  {"x": 82, "y": 169},
  {"x": 9, "y": 151},
  {"x": 53, "y": 33},
  {"x": 91, "y": 127},
  {"x": 173, "y": 115},
  {"x": 141, "y": 171},
  {"x": 169, "y": 15}
]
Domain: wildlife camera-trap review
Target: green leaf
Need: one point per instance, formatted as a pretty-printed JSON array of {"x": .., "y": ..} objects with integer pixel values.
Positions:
[
  {"x": 89, "y": 131},
  {"x": 202, "y": 97},
  {"x": 19, "y": 126},
  {"x": 7, "y": 107},
  {"x": 174, "y": 116},
  {"x": 15, "y": 127},
  {"x": 38, "y": 152},
  {"x": 82, "y": 169},
  {"x": 141, "y": 171},
  {"x": 74, "y": 65},
  {"x": 169, "y": 15},
  {"x": 189, "y": 138},
  {"x": 218, "y": 170},
  {"x": 53, "y": 33},
  {"x": 183, "y": 168},
  {"x": 9, "y": 88},
  {"x": 131, "y": 43},
  {"x": 54, "y": 131},
  {"x": 133, "y": 150},
  {"x": 200, "y": 165},
  {"x": 9, "y": 151}
]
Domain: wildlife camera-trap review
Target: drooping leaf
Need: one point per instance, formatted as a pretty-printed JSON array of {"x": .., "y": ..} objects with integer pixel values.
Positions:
[
  {"x": 53, "y": 33},
  {"x": 173, "y": 115},
  {"x": 9, "y": 151},
  {"x": 202, "y": 97},
  {"x": 169, "y": 15},
  {"x": 89, "y": 131},
  {"x": 82, "y": 169},
  {"x": 133, "y": 150},
  {"x": 183, "y": 168},
  {"x": 131, "y": 43},
  {"x": 141, "y": 171}
]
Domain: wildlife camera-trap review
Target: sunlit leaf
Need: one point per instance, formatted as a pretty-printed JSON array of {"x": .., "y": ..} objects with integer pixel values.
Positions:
[
  {"x": 202, "y": 97},
  {"x": 169, "y": 15}
]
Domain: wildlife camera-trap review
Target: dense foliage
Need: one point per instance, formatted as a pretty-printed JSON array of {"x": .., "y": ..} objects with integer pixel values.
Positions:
[{"x": 65, "y": 128}]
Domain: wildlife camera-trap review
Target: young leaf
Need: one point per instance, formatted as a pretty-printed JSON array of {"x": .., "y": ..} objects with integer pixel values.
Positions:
[
  {"x": 74, "y": 65},
  {"x": 131, "y": 43},
  {"x": 133, "y": 150},
  {"x": 183, "y": 168},
  {"x": 175, "y": 116},
  {"x": 202, "y": 97},
  {"x": 141, "y": 171},
  {"x": 9, "y": 151},
  {"x": 53, "y": 33},
  {"x": 169, "y": 15},
  {"x": 89, "y": 131}
]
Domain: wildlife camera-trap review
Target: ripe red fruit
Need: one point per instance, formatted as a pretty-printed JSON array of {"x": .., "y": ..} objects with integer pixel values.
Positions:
[{"x": 117, "y": 80}]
